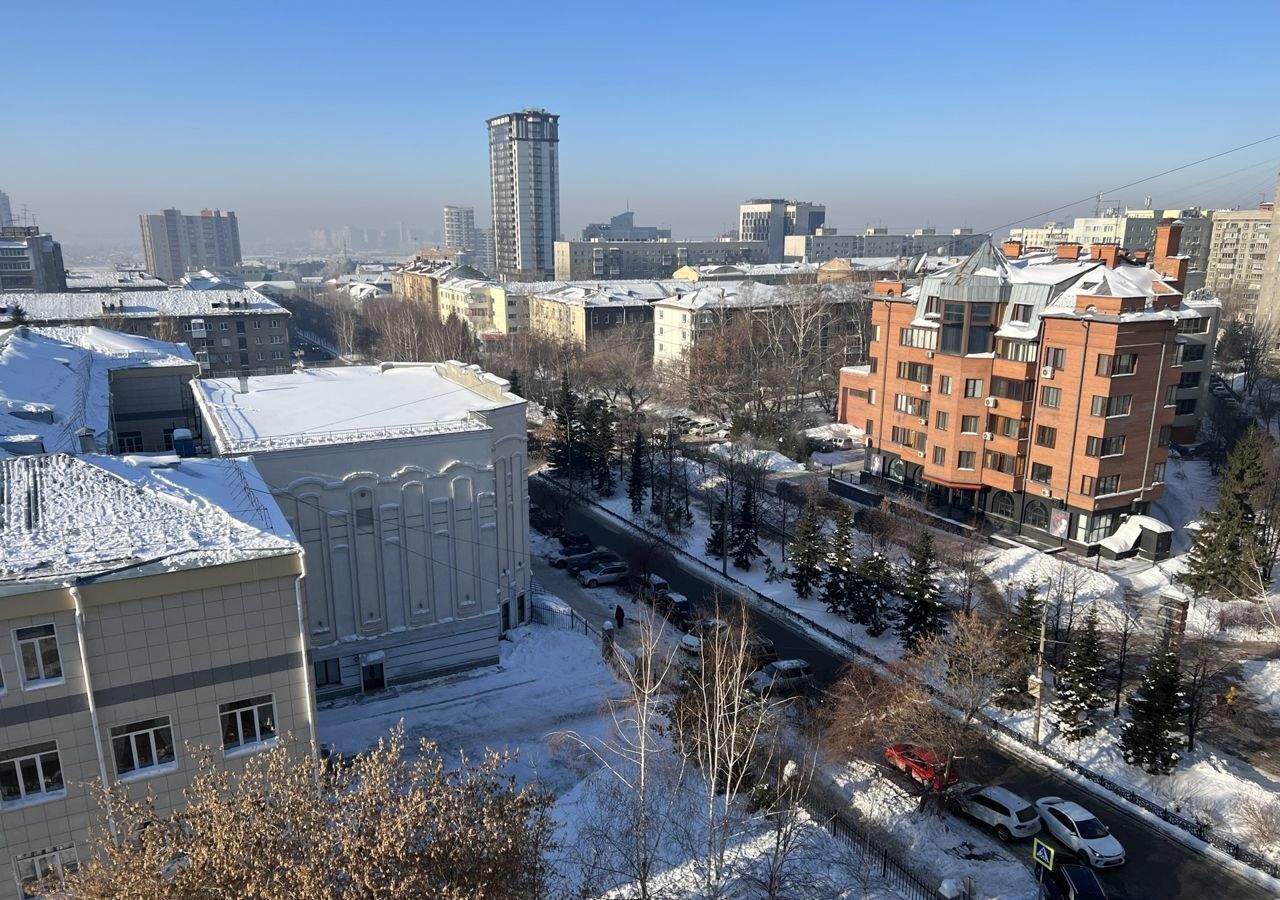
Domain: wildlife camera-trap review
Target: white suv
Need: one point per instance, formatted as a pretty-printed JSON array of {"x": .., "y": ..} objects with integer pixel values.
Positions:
[{"x": 1002, "y": 809}]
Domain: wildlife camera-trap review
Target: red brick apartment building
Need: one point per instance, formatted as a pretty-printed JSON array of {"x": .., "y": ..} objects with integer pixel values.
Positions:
[{"x": 1040, "y": 392}]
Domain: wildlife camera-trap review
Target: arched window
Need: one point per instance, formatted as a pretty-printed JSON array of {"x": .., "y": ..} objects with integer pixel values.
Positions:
[
  {"x": 1002, "y": 505},
  {"x": 1036, "y": 515},
  {"x": 897, "y": 470}
]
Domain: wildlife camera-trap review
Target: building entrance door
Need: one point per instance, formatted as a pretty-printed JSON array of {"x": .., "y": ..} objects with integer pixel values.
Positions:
[{"x": 372, "y": 677}]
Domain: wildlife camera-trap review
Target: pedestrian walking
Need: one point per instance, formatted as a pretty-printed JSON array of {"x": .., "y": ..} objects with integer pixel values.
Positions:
[{"x": 619, "y": 615}]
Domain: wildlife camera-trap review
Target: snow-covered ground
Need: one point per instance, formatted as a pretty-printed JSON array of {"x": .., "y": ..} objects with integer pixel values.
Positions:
[
  {"x": 1020, "y": 566},
  {"x": 1262, "y": 684},
  {"x": 769, "y": 460},
  {"x": 1189, "y": 490}
]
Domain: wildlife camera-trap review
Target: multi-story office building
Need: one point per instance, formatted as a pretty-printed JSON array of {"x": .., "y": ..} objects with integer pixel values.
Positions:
[
  {"x": 1042, "y": 397},
  {"x": 771, "y": 220},
  {"x": 623, "y": 227},
  {"x": 174, "y": 243},
  {"x": 1237, "y": 259},
  {"x": 30, "y": 260},
  {"x": 587, "y": 314},
  {"x": 1043, "y": 237},
  {"x": 629, "y": 260},
  {"x": 6, "y": 211},
  {"x": 414, "y": 516},
  {"x": 460, "y": 227},
  {"x": 148, "y": 608},
  {"x": 524, "y": 178},
  {"x": 232, "y": 332}
]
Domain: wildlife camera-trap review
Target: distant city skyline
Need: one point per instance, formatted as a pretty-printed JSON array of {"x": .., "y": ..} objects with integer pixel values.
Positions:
[{"x": 960, "y": 137}]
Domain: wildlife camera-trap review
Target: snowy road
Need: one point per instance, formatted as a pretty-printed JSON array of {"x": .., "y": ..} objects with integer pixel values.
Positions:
[{"x": 1158, "y": 866}]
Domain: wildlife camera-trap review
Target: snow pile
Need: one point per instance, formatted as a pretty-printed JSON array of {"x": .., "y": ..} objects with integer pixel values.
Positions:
[
  {"x": 1189, "y": 490},
  {"x": 94, "y": 305},
  {"x": 1023, "y": 565},
  {"x": 768, "y": 460},
  {"x": 835, "y": 431},
  {"x": 1262, "y": 683}
]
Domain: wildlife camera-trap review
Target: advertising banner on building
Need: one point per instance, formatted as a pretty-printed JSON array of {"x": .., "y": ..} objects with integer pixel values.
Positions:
[{"x": 1058, "y": 520}]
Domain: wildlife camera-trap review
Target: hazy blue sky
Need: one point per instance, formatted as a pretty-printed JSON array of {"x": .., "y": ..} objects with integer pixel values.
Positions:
[{"x": 299, "y": 115}]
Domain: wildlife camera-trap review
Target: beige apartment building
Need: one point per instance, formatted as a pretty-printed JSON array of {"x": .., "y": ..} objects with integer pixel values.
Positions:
[
  {"x": 586, "y": 314},
  {"x": 492, "y": 310},
  {"x": 148, "y": 605},
  {"x": 652, "y": 259},
  {"x": 1237, "y": 259}
]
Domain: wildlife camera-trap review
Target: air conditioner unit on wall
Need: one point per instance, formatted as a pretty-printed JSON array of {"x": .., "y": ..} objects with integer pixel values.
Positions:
[
  {"x": 1047, "y": 373},
  {"x": 923, "y": 421},
  {"x": 990, "y": 402},
  {"x": 920, "y": 453},
  {"x": 928, "y": 354},
  {"x": 924, "y": 388},
  {"x": 987, "y": 435},
  {"x": 1046, "y": 493}
]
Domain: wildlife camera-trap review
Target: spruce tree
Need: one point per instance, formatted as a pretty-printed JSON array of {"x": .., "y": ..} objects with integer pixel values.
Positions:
[
  {"x": 598, "y": 434},
  {"x": 744, "y": 537},
  {"x": 1020, "y": 641},
  {"x": 1079, "y": 684},
  {"x": 839, "y": 585},
  {"x": 564, "y": 449},
  {"x": 639, "y": 473},
  {"x": 922, "y": 611},
  {"x": 1151, "y": 738},
  {"x": 1229, "y": 543},
  {"x": 514, "y": 380},
  {"x": 715, "y": 540},
  {"x": 806, "y": 551},
  {"x": 873, "y": 581}
]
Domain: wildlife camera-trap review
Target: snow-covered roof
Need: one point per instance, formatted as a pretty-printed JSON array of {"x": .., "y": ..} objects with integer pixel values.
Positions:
[
  {"x": 343, "y": 405},
  {"x": 614, "y": 293},
  {"x": 141, "y": 304},
  {"x": 758, "y": 270},
  {"x": 721, "y": 294},
  {"x": 54, "y": 382},
  {"x": 113, "y": 280},
  {"x": 204, "y": 280},
  {"x": 70, "y": 516}
]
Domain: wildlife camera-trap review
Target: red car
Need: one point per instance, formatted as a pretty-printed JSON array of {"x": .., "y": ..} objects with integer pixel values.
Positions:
[{"x": 921, "y": 764}]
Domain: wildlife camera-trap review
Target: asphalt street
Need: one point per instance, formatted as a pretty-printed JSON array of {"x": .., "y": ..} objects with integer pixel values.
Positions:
[{"x": 1157, "y": 867}]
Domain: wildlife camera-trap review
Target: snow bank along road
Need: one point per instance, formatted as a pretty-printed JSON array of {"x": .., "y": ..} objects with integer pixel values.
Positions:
[{"x": 1157, "y": 866}]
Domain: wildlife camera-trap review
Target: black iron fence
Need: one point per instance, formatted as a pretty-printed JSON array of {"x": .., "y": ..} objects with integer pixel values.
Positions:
[{"x": 1199, "y": 830}]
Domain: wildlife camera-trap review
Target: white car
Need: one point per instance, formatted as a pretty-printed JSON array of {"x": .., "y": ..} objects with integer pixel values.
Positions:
[
  {"x": 1080, "y": 832},
  {"x": 786, "y": 676},
  {"x": 691, "y": 643},
  {"x": 1002, "y": 809}
]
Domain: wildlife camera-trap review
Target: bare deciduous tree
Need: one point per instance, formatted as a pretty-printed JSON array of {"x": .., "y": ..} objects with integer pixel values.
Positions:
[{"x": 391, "y": 825}]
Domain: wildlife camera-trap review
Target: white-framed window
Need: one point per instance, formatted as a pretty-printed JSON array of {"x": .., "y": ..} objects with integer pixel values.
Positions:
[
  {"x": 38, "y": 657},
  {"x": 275, "y": 323},
  {"x": 257, "y": 323},
  {"x": 32, "y": 868},
  {"x": 277, "y": 339},
  {"x": 27, "y": 773},
  {"x": 247, "y": 723},
  {"x": 143, "y": 747},
  {"x": 224, "y": 326},
  {"x": 277, "y": 354}
]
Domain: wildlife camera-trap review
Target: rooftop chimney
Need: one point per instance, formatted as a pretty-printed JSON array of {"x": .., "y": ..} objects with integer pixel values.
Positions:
[
  {"x": 1167, "y": 261},
  {"x": 1068, "y": 251},
  {"x": 1012, "y": 249},
  {"x": 244, "y": 381},
  {"x": 1108, "y": 254}
]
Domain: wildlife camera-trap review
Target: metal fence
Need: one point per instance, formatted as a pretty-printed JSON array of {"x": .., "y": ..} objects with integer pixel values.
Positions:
[
  {"x": 880, "y": 862},
  {"x": 1203, "y": 832}
]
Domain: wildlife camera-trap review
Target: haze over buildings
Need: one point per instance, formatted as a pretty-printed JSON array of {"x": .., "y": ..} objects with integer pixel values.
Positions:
[{"x": 174, "y": 243}]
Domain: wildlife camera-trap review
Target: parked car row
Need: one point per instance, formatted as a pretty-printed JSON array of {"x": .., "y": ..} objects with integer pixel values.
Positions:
[{"x": 702, "y": 427}]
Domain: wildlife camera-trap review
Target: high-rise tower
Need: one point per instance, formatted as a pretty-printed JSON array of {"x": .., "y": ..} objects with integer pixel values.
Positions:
[{"x": 524, "y": 179}]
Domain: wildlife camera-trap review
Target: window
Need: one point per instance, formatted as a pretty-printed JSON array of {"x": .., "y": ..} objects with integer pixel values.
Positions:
[
  {"x": 223, "y": 326},
  {"x": 1046, "y": 436},
  {"x": 1107, "y": 484},
  {"x": 1041, "y": 473},
  {"x": 944, "y": 384},
  {"x": 1086, "y": 485},
  {"x": 1055, "y": 357},
  {"x": 911, "y": 405},
  {"x": 920, "y": 373},
  {"x": 1001, "y": 462},
  {"x": 939, "y": 456},
  {"x": 1189, "y": 380},
  {"x": 972, "y": 388},
  {"x": 277, "y": 339},
  {"x": 1021, "y": 312},
  {"x": 1104, "y": 446},
  {"x": 33, "y": 868},
  {"x": 1171, "y": 395},
  {"x": 1198, "y": 325},
  {"x": 142, "y": 746},
  {"x": 257, "y": 323},
  {"x": 968, "y": 424},
  {"x": 129, "y": 441},
  {"x": 1186, "y": 407},
  {"x": 246, "y": 723},
  {"x": 966, "y": 459},
  {"x": 1002, "y": 504},
  {"x": 1036, "y": 515},
  {"x": 1166, "y": 433},
  {"x": 1008, "y": 388},
  {"x": 38, "y": 655},
  {"x": 328, "y": 672},
  {"x": 1158, "y": 473},
  {"x": 277, "y": 354},
  {"x": 1018, "y": 351},
  {"x": 1051, "y": 397},
  {"x": 257, "y": 340},
  {"x": 1123, "y": 364},
  {"x": 1111, "y": 407},
  {"x": 1188, "y": 353},
  {"x": 942, "y": 420},
  {"x": 30, "y": 772},
  {"x": 920, "y": 338}
]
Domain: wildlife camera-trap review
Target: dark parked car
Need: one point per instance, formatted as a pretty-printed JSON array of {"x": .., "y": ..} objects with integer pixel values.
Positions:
[
  {"x": 574, "y": 539},
  {"x": 678, "y": 609},
  {"x": 578, "y": 563},
  {"x": 762, "y": 652},
  {"x": 561, "y": 559},
  {"x": 1067, "y": 882}
]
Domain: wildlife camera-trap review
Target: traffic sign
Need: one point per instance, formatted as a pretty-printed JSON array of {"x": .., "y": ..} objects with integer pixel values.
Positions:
[{"x": 1042, "y": 853}]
